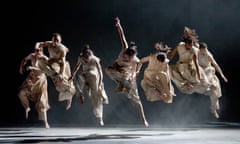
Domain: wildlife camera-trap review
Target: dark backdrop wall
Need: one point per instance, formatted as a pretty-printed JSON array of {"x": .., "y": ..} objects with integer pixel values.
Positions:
[{"x": 145, "y": 22}]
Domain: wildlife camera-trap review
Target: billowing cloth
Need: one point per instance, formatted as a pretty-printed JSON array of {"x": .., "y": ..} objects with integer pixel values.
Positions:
[
  {"x": 121, "y": 70},
  {"x": 65, "y": 88},
  {"x": 184, "y": 72},
  {"x": 89, "y": 80},
  {"x": 214, "y": 90},
  {"x": 34, "y": 89},
  {"x": 210, "y": 72},
  {"x": 156, "y": 82}
]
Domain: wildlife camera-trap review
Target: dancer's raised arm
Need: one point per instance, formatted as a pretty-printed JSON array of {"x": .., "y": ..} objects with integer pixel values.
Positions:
[{"x": 121, "y": 34}]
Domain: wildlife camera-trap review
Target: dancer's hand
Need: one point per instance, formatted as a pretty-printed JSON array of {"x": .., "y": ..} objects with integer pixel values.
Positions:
[
  {"x": 224, "y": 78},
  {"x": 21, "y": 70},
  {"x": 117, "y": 22}
]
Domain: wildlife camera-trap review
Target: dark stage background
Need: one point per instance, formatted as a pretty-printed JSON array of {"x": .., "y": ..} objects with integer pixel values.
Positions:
[{"x": 145, "y": 22}]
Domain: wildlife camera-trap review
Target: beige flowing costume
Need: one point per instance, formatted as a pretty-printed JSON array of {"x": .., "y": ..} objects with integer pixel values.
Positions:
[
  {"x": 34, "y": 89},
  {"x": 184, "y": 71},
  {"x": 122, "y": 73},
  {"x": 215, "y": 88},
  {"x": 156, "y": 80},
  {"x": 51, "y": 67},
  {"x": 89, "y": 79}
]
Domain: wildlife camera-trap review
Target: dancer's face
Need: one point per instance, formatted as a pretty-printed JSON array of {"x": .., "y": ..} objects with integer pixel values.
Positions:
[
  {"x": 202, "y": 50},
  {"x": 188, "y": 45},
  {"x": 127, "y": 57},
  {"x": 56, "y": 39},
  {"x": 86, "y": 59}
]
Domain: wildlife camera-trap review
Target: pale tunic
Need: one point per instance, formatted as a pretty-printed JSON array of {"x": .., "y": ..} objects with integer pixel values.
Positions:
[
  {"x": 210, "y": 72},
  {"x": 57, "y": 55},
  {"x": 184, "y": 71},
  {"x": 65, "y": 87},
  {"x": 214, "y": 90},
  {"x": 51, "y": 67},
  {"x": 156, "y": 80},
  {"x": 56, "y": 51},
  {"x": 122, "y": 71},
  {"x": 89, "y": 79},
  {"x": 34, "y": 89}
]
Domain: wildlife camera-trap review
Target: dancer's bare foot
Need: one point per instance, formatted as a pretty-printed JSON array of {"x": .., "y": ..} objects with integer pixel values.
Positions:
[
  {"x": 164, "y": 95},
  {"x": 218, "y": 106},
  {"x": 188, "y": 85},
  {"x": 26, "y": 112},
  {"x": 146, "y": 123},
  {"x": 100, "y": 121},
  {"x": 47, "y": 125},
  {"x": 69, "y": 103},
  {"x": 105, "y": 101},
  {"x": 216, "y": 115}
]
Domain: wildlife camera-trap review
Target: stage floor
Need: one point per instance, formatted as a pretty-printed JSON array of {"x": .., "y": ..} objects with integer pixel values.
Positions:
[{"x": 127, "y": 134}]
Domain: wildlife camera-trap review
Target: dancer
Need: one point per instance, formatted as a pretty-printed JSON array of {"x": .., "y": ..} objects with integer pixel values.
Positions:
[
  {"x": 90, "y": 78},
  {"x": 193, "y": 72},
  {"x": 123, "y": 72},
  {"x": 34, "y": 88},
  {"x": 186, "y": 73},
  {"x": 58, "y": 68},
  {"x": 156, "y": 82},
  {"x": 210, "y": 66}
]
